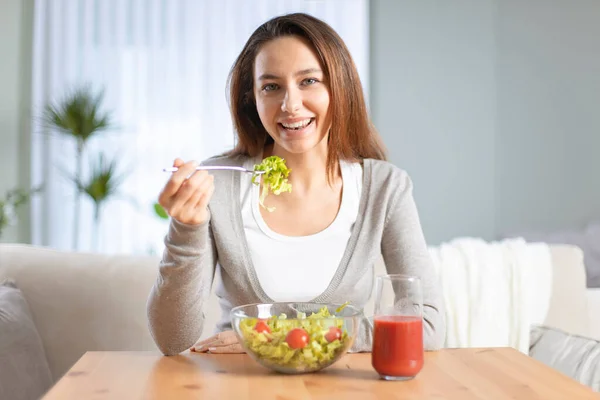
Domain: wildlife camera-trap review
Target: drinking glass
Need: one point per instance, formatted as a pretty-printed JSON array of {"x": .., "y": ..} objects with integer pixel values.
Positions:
[{"x": 398, "y": 327}]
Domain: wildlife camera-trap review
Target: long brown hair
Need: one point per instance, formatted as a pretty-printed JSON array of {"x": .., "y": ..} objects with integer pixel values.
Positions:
[{"x": 352, "y": 135}]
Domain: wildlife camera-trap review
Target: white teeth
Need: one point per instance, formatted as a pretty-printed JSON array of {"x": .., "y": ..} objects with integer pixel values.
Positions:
[{"x": 296, "y": 125}]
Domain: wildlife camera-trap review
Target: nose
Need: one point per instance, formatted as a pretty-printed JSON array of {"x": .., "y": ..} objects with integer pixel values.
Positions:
[{"x": 292, "y": 101}]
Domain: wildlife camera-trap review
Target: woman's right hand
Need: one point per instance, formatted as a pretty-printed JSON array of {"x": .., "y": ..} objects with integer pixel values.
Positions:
[{"x": 186, "y": 195}]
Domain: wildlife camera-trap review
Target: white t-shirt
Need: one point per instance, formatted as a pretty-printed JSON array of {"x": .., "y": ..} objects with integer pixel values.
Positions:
[{"x": 300, "y": 268}]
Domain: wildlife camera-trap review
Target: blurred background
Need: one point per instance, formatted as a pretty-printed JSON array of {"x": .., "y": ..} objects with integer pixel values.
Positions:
[{"x": 492, "y": 106}]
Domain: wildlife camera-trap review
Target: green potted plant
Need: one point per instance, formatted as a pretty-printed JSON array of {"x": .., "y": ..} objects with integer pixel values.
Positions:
[{"x": 79, "y": 116}]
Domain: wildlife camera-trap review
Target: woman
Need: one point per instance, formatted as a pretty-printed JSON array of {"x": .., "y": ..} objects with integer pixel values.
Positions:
[{"x": 295, "y": 93}]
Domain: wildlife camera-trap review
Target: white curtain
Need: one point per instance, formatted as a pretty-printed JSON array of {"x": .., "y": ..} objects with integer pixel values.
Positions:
[{"x": 163, "y": 66}]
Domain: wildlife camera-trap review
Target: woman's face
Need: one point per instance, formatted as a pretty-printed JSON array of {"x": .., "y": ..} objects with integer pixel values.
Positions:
[{"x": 292, "y": 97}]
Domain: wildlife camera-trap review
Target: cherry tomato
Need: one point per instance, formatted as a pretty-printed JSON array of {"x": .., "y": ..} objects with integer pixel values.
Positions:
[
  {"x": 297, "y": 338},
  {"x": 262, "y": 327},
  {"x": 333, "y": 334}
]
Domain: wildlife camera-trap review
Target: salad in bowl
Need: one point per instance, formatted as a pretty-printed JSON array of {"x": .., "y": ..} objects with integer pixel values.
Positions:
[{"x": 296, "y": 337}]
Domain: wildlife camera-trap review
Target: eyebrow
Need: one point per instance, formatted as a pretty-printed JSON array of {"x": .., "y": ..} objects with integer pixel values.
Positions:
[{"x": 299, "y": 73}]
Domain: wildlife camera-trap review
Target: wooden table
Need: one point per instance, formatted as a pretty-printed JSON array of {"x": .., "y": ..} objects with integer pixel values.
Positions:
[{"x": 498, "y": 373}]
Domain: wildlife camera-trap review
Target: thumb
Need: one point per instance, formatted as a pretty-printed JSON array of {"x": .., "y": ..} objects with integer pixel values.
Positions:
[{"x": 178, "y": 162}]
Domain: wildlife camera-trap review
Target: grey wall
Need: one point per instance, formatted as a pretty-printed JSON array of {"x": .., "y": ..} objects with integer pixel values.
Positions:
[
  {"x": 433, "y": 100},
  {"x": 548, "y": 130},
  {"x": 493, "y": 107},
  {"x": 16, "y": 22}
]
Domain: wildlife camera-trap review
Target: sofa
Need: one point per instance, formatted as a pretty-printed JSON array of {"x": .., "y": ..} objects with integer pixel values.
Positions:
[{"x": 84, "y": 302}]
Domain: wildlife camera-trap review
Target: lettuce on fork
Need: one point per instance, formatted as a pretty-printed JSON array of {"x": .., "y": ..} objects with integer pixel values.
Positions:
[{"x": 274, "y": 179}]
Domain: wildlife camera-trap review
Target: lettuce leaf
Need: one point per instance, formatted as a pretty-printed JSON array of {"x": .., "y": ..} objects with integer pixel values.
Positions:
[{"x": 274, "y": 179}]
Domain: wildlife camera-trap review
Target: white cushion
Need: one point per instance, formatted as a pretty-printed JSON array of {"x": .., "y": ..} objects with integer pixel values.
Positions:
[{"x": 568, "y": 304}]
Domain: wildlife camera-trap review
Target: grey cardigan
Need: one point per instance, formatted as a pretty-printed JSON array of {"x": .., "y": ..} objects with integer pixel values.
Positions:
[{"x": 216, "y": 251}]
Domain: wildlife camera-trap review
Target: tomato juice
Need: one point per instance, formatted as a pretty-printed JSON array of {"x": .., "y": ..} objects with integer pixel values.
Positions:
[{"x": 397, "y": 346}]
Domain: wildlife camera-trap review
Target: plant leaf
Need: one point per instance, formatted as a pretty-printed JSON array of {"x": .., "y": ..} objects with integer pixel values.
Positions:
[
  {"x": 103, "y": 181},
  {"x": 78, "y": 114},
  {"x": 160, "y": 211}
]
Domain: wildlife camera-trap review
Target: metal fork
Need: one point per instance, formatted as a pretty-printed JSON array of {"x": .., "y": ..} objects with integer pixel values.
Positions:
[{"x": 218, "y": 167}]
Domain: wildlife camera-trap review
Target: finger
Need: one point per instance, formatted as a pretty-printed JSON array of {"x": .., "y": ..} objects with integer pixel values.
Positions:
[
  {"x": 205, "y": 341},
  {"x": 216, "y": 344},
  {"x": 198, "y": 184},
  {"x": 226, "y": 340},
  {"x": 178, "y": 178},
  {"x": 187, "y": 189},
  {"x": 232, "y": 348},
  {"x": 205, "y": 198},
  {"x": 221, "y": 339},
  {"x": 163, "y": 197},
  {"x": 181, "y": 204},
  {"x": 202, "y": 348},
  {"x": 193, "y": 210},
  {"x": 211, "y": 339}
]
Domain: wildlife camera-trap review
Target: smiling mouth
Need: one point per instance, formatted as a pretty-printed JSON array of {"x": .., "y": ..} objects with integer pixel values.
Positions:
[{"x": 296, "y": 126}]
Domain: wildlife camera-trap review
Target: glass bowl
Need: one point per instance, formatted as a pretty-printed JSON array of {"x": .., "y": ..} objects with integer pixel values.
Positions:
[{"x": 295, "y": 338}]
